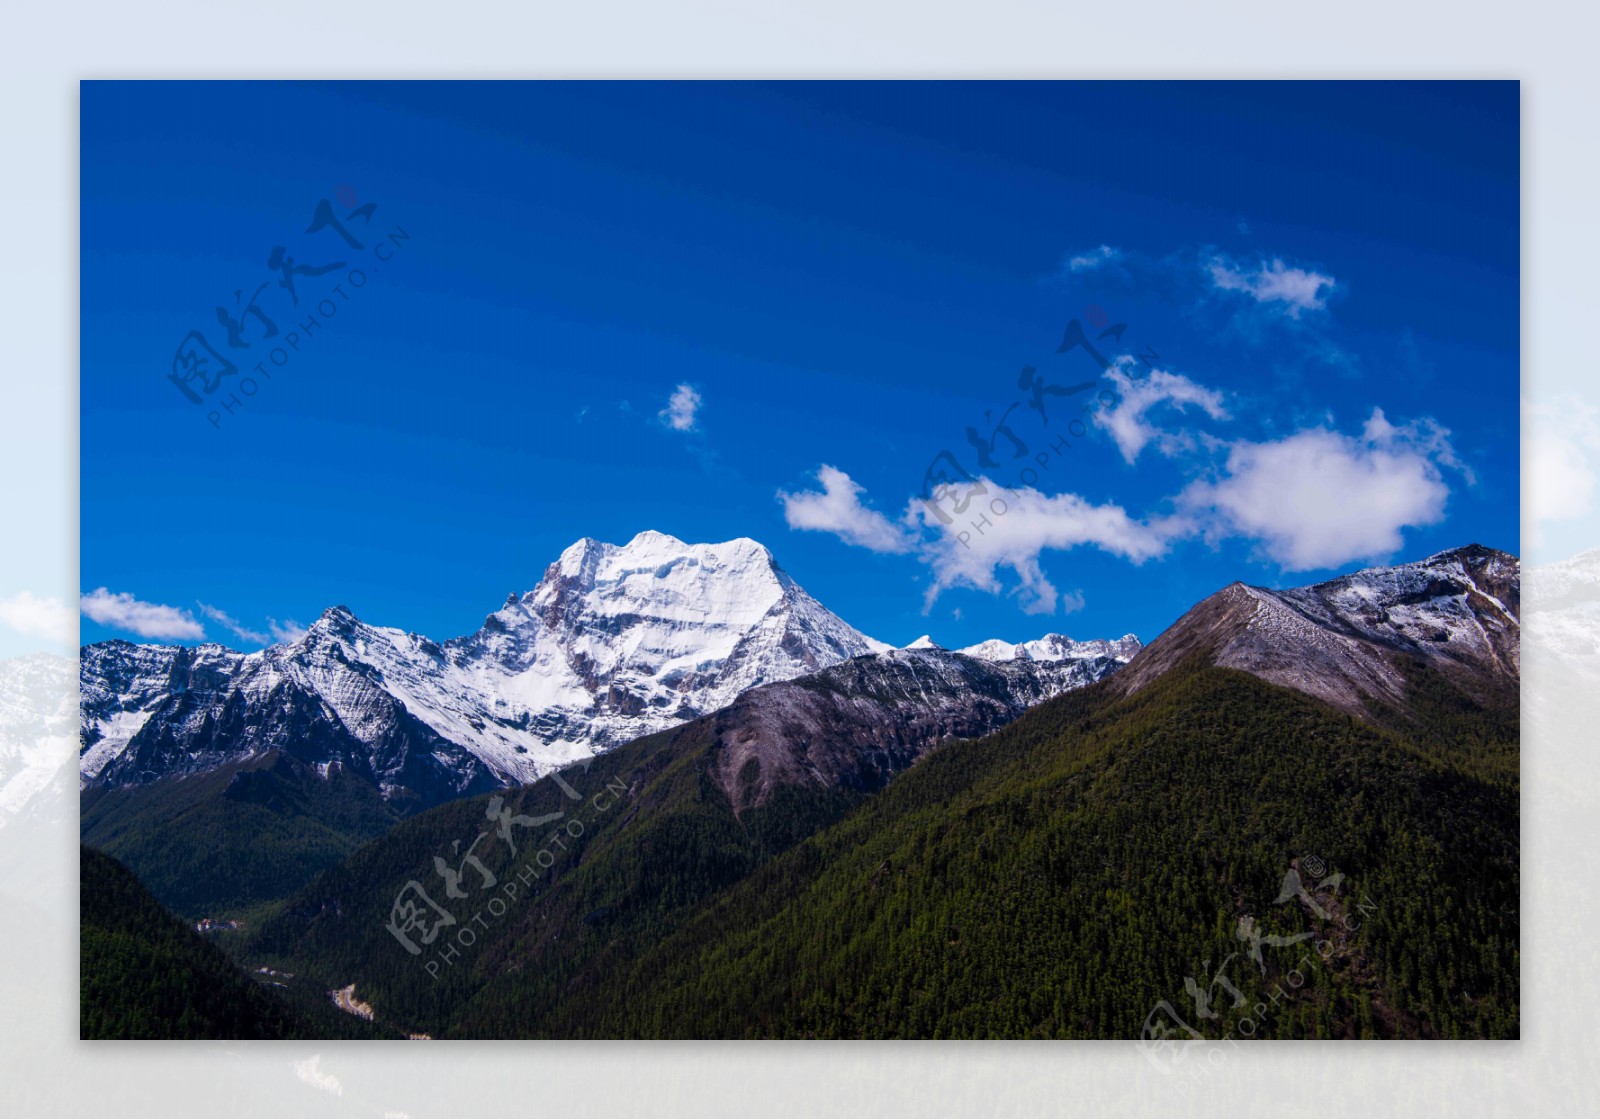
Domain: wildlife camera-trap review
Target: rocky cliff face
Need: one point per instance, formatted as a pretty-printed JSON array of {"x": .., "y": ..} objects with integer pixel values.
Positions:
[{"x": 859, "y": 723}]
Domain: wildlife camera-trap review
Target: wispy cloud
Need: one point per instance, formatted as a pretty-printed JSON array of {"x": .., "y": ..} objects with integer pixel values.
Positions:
[
  {"x": 287, "y": 632},
  {"x": 1128, "y": 421},
  {"x": 49, "y": 619},
  {"x": 682, "y": 407},
  {"x": 1320, "y": 498},
  {"x": 1093, "y": 259},
  {"x": 838, "y": 509},
  {"x": 121, "y": 611},
  {"x": 244, "y": 633},
  {"x": 1272, "y": 282}
]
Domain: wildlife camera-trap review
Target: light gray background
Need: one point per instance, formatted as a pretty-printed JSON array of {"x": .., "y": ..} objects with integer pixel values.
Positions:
[{"x": 46, "y": 49}]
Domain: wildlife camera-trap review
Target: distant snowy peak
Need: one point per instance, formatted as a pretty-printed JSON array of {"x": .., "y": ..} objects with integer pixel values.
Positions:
[
  {"x": 1055, "y": 647},
  {"x": 924, "y": 642},
  {"x": 614, "y": 642}
]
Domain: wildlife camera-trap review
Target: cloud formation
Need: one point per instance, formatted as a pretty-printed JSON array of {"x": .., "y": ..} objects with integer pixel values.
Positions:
[
  {"x": 48, "y": 619},
  {"x": 838, "y": 509},
  {"x": 244, "y": 633},
  {"x": 1563, "y": 452},
  {"x": 679, "y": 415},
  {"x": 1315, "y": 499},
  {"x": 1093, "y": 259},
  {"x": 1010, "y": 529},
  {"x": 122, "y": 611},
  {"x": 992, "y": 529},
  {"x": 1128, "y": 422},
  {"x": 1291, "y": 290},
  {"x": 1319, "y": 498},
  {"x": 287, "y": 632}
]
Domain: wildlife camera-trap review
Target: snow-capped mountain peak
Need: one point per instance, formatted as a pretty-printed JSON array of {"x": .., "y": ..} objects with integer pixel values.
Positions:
[{"x": 615, "y": 641}]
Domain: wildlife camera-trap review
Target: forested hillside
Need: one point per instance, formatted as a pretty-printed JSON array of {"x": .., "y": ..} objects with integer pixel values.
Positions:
[
  {"x": 1062, "y": 877},
  {"x": 246, "y": 833},
  {"x": 145, "y": 974}
]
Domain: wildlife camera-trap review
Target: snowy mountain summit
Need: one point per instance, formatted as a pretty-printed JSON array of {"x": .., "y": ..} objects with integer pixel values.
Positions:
[
  {"x": 1366, "y": 638},
  {"x": 615, "y": 641}
]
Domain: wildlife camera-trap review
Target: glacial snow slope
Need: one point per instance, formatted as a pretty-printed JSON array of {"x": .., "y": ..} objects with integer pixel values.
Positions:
[
  {"x": 613, "y": 643},
  {"x": 1353, "y": 641}
]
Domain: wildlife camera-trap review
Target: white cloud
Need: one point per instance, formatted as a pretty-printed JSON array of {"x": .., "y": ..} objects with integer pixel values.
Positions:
[
  {"x": 217, "y": 614},
  {"x": 1127, "y": 421},
  {"x": 1010, "y": 529},
  {"x": 122, "y": 611},
  {"x": 1316, "y": 499},
  {"x": 50, "y": 619},
  {"x": 1319, "y": 498},
  {"x": 837, "y": 509},
  {"x": 1563, "y": 448},
  {"x": 681, "y": 408},
  {"x": 287, "y": 632},
  {"x": 1094, "y": 258},
  {"x": 998, "y": 529},
  {"x": 312, "y": 1074},
  {"x": 1274, "y": 282}
]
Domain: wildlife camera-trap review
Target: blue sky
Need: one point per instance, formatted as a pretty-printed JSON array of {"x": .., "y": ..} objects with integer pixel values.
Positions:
[{"x": 833, "y": 282}]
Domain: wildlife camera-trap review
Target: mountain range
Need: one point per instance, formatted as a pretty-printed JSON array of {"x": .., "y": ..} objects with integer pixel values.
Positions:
[
  {"x": 1013, "y": 839},
  {"x": 613, "y": 643},
  {"x": 224, "y": 779}
]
